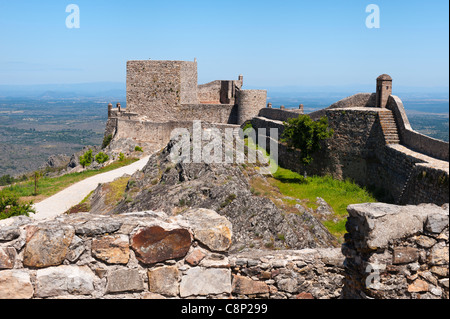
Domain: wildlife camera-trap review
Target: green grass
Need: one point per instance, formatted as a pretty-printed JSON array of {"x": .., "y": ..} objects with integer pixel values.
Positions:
[
  {"x": 48, "y": 186},
  {"x": 338, "y": 194}
]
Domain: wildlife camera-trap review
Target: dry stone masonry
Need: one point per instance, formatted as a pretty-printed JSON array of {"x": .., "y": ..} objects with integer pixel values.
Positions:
[
  {"x": 397, "y": 252},
  {"x": 390, "y": 252}
]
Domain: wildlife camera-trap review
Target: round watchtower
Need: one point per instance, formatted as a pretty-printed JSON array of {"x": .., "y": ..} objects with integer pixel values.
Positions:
[
  {"x": 249, "y": 103},
  {"x": 384, "y": 90}
]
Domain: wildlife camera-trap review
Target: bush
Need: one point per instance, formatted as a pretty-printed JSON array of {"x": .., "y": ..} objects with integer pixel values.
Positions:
[
  {"x": 101, "y": 158},
  {"x": 6, "y": 180},
  {"x": 138, "y": 148},
  {"x": 121, "y": 157},
  {"x": 106, "y": 141},
  {"x": 10, "y": 206},
  {"x": 86, "y": 159}
]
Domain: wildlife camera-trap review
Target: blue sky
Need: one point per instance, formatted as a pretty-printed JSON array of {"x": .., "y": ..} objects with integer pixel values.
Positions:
[{"x": 272, "y": 43}]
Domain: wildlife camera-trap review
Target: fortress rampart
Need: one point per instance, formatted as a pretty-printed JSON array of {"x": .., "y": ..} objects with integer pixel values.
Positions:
[{"x": 374, "y": 146}]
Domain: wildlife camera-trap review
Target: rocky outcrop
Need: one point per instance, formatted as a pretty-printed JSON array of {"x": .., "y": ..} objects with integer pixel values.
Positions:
[{"x": 224, "y": 188}]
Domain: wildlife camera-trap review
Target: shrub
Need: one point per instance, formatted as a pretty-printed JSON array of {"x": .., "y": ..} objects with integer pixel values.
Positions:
[
  {"x": 138, "y": 149},
  {"x": 121, "y": 157},
  {"x": 106, "y": 141},
  {"x": 86, "y": 159},
  {"x": 10, "y": 206},
  {"x": 101, "y": 158},
  {"x": 6, "y": 180}
]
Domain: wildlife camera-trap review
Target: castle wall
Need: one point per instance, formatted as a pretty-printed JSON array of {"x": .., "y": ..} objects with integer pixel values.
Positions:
[
  {"x": 188, "y": 79},
  {"x": 416, "y": 141},
  {"x": 356, "y": 100},
  {"x": 278, "y": 114},
  {"x": 213, "y": 113},
  {"x": 209, "y": 92}
]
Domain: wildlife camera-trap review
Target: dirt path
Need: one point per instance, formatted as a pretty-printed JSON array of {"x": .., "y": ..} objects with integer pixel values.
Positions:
[{"x": 71, "y": 196}]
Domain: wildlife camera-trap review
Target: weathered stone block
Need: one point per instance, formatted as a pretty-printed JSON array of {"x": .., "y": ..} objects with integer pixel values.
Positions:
[
  {"x": 439, "y": 255},
  {"x": 15, "y": 284},
  {"x": 124, "y": 280},
  {"x": 246, "y": 286},
  {"x": 47, "y": 245},
  {"x": 418, "y": 286},
  {"x": 436, "y": 223},
  {"x": 98, "y": 226},
  {"x": 155, "y": 244},
  {"x": 202, "y": 281},
  {"x": 405, "y": 255},
  {"x": 7, "y": 257},
  {"x": 288, "y": 284},
  {"x": 164, "y": 280},
  {"x": 195, "y": 257},
  {"x": 9, "y": 233},
  {"x": 64, "y": 280},
  {"x": 113, "y": 249},
  {"x": 210, "y": 228}
]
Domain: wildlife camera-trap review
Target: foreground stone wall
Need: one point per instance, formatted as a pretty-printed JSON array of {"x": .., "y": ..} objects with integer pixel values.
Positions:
[
  {"x": 390, "y": 252},
  {"x": 397, "y": 252},
  {"x": 150, "y": 255}
]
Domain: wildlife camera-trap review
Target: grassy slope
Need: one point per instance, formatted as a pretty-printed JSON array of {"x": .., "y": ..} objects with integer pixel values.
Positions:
[
  {"x": 48, "y": 186},
  {"x": 338, "y": 194}
]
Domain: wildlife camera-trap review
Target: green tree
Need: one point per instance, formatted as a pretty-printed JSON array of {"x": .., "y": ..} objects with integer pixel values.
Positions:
[
  {"x": 86, "y": 159},
  {"x": 101, "y": 158},
  {"x": 121, "y": 157},
  {"x": 305, "y": 134}
]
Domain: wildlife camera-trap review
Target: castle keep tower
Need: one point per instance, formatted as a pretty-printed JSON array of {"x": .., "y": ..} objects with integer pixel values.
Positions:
[
  {"x": 384, "y": 90},
  {"x": 156, "y": 89}
]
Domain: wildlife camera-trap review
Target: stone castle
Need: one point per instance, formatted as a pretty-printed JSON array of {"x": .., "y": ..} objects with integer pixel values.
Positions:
[
  {"x": 373, "y": 143},
  {"x": 163, "y": 95}
]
